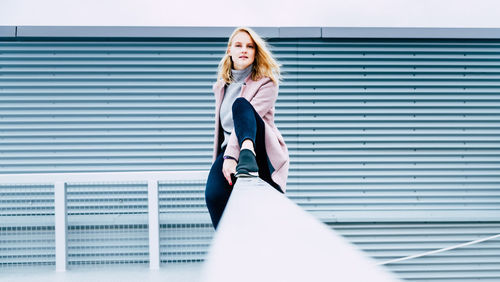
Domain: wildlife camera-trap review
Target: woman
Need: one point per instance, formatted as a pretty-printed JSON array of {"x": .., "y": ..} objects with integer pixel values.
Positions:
[{"x": 247, "y": 142}]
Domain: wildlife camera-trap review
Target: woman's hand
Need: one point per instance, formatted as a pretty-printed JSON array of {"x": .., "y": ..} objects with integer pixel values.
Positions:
[{"x": 228, "y": 168}]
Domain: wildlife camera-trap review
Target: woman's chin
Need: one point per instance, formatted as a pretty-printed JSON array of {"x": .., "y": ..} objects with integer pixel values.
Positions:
[{"x": 244, "y": 65}]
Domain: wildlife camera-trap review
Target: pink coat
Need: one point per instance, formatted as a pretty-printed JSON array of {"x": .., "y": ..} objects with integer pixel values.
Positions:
[{"x": 262, "y": 94}]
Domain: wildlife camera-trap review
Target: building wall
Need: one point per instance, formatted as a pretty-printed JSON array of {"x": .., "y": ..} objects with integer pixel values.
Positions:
[{"x": 394, "y": 134}]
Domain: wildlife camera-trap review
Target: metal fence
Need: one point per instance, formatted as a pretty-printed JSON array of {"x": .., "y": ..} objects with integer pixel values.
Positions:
[{"x": 103, "y": 218}]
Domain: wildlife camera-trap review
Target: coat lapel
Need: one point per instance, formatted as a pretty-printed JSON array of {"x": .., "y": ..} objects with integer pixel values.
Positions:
[{"x": 219, "y": 94}]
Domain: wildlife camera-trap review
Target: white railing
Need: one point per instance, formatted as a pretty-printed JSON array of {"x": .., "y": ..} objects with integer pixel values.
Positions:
[
  {"x": 60, "y": 181},
  {"x": 272, "y": 230}
]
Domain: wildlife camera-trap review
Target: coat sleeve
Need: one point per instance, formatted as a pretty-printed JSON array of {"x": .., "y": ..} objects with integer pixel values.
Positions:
[{"x": 263, "y": 101}]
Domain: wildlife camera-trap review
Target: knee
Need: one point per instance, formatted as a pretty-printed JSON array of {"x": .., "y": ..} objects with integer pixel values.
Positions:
[
  {"x": 210, "y": 197},
  {"x": 240, "y": 104}
]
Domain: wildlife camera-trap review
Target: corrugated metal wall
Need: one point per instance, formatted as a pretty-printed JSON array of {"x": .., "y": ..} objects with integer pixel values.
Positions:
[
  {"x": 106, "y": 106},
  {"x": 394, "y": 142}
]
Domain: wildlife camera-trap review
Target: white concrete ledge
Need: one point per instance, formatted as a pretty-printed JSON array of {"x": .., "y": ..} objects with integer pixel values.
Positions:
[{"x": 263, "y": 236}]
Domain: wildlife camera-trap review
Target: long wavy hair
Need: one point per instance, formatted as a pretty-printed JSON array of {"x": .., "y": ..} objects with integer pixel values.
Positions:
[{"x": 264, "y": 65}]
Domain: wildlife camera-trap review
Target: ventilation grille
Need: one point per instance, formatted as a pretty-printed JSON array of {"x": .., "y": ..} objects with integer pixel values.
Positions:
[
  {"x": 107, "y": 223},
  {"x": 185, "y": 227},
  {"x": 27, "y": 235}
]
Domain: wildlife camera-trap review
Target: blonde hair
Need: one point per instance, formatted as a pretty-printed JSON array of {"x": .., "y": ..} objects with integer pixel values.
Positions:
[{"x": 264, "y": 65}]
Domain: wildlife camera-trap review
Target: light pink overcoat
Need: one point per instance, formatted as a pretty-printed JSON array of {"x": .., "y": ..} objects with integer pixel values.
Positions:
[{"x": 262, "y": 94}]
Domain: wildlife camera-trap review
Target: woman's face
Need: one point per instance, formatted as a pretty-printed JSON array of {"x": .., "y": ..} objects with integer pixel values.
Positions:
[{"x": 242, "y": 50}]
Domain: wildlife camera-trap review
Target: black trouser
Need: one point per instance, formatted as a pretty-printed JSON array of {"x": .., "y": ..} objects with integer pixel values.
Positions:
[{"x": 247, "y": 125}]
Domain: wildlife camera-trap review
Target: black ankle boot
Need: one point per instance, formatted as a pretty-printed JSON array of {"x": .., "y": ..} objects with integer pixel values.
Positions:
[{"x": 247, "y": 164}]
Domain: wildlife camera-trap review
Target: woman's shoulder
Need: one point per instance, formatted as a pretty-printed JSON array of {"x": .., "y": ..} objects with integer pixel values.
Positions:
[
  {"x": 218, "y": 84},
  {"x": 265, "y": 80}
]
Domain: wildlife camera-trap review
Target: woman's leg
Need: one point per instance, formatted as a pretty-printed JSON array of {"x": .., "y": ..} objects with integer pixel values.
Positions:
[
  {"x": 217, "y": 191},
  {"x": 248, "y": 125}
]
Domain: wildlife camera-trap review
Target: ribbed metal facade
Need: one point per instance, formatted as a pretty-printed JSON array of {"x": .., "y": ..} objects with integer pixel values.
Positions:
[
  {"x": 394, "y": 142},
  {"x": 386, "y": 241},
  {"x": 106, "y": 106}
]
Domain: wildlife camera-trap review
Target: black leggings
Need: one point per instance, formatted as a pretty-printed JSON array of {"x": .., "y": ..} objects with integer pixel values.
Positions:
[{"x": 247, "y": 125}]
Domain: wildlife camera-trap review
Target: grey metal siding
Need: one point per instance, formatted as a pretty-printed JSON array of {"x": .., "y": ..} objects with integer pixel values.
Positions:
[
  {"x": 106, "y": 106},
  {"x": 404, "y": 126},
  {"x": 385, "y": 241},
  {"x": 391, "y": 140}
]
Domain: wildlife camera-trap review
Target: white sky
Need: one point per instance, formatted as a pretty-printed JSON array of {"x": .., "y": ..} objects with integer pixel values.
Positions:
[{"x": 323, "y": 13}]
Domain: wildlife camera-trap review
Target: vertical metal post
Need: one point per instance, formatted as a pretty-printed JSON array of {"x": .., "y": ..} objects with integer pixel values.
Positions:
[
  {"x": 61, "y": 224},
  {"x": 154, "y": 225}
]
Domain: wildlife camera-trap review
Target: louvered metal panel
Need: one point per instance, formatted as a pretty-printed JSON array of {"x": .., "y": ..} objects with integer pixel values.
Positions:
[
  {"x": 386, "y": 241},
  {"x": 27, "y": 235},
  {"x": 395, "y": 132},
  {"x": 397, "y": 126},
  {"x": 107, "y": 223},
  {"x": 185, "y": 227},
  {"x": 106, "y": 106}
]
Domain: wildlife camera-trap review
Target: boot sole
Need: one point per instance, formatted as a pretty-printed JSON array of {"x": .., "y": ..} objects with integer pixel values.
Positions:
[{"x": 246, "y": 174}]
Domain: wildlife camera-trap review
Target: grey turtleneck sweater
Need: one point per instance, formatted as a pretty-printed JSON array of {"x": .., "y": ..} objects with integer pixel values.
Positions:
[{"x": 232, "y": 91}]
